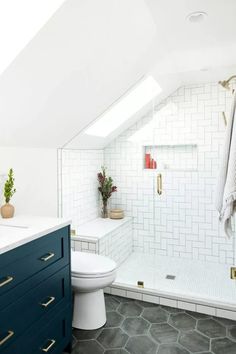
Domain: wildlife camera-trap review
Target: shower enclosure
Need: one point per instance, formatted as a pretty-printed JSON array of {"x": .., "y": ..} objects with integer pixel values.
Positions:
[{"x": 165, "y": 167}]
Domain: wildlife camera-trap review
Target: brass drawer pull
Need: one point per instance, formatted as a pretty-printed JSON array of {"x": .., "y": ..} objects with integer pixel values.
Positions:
[
  {"x": 52, "y": 342},
  {"x": 159, "y": 183},
  {"x": 47, "y": 257},
  {"x": 8, "y": 336},
  {"x": 51, "y": 299},
  {"x": 6, "y": 281}
]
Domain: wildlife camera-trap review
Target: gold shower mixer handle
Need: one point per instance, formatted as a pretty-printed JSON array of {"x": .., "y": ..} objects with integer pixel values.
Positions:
[{"x": 159, "y": 183}]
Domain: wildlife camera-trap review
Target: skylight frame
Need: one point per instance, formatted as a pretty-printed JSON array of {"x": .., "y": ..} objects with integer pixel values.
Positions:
[{"x": 123, "y": 109}]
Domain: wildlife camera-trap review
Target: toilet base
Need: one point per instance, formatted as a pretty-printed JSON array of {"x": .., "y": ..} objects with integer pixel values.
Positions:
[{"x": 89, "y": 310}]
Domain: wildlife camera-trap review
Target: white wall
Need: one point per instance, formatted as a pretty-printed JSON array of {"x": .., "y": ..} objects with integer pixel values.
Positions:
[
  {"x": 79, "y": 186},
  {"x": 35, "y": 173}
]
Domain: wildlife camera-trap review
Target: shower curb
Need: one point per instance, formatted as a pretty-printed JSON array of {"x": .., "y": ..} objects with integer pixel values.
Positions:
[{"x": 177, "y": 301}]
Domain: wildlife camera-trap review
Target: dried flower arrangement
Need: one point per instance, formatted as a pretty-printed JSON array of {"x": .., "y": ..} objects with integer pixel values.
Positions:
[{"x": 106, "y": 189}]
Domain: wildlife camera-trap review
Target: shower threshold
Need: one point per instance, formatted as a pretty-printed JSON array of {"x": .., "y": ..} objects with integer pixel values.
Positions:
[{"x": 182, "y": 283}]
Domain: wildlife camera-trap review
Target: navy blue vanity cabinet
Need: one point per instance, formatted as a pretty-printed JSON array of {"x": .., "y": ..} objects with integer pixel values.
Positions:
[{"x": 36, "y": 297}]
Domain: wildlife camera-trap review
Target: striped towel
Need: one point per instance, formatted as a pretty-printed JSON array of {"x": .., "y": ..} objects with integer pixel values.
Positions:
[{"x": 226, "y": 186}]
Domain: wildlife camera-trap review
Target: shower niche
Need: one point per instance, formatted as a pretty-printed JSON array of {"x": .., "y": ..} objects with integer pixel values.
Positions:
[{"x": 173, "y": 157}]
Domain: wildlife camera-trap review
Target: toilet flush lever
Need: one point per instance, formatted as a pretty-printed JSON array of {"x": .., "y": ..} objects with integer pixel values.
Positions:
[{"x": 159, "y": 183}]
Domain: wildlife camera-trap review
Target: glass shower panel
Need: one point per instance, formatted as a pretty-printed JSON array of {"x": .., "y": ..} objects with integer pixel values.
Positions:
[
  {"x": 176, "y": 154},
  {"x": 141, "y": 140}
]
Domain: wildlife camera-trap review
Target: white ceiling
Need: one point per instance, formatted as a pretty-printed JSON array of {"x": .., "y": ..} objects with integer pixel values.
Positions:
[
  {"x": 19, "y": 23},
  {"x": 91, "y": 52}
]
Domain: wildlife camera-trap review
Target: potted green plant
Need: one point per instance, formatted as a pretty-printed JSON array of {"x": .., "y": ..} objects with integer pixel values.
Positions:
[
  {"x": 106, "y": 189},
  {"x": 7, "y": 210}
]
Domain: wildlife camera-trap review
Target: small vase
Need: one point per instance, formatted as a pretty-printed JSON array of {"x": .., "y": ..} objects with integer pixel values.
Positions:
[
  {"x": 104, "y": 211},
  {"x": 7, "y": 211}
]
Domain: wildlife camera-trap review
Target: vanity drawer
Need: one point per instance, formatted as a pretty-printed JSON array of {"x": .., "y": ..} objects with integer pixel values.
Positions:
[
  {"x": 17, "y": 317},
  {"x": 25, "y": 261},
  {"x": 49, "y": 337}
]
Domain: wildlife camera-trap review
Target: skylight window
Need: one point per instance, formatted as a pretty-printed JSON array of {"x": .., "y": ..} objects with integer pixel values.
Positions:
[
  {"x": 19, "y": 23},
  {"x": 125, "y": 108}
]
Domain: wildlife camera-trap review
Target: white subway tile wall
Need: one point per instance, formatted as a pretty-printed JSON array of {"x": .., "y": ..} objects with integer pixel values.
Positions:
[
  {"x": 182, "y": 222},
  {"x": 116, "y": 244},
  {"x": 79, "y": 193},
  {"x": 84, "y": 246}
]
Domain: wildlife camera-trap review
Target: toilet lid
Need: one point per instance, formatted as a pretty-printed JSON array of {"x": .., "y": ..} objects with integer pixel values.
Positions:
[{"x": 83, "y": 264}]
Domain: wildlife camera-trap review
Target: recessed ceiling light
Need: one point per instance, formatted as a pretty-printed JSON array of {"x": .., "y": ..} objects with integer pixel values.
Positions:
[
  {"x": 196, "y": 17},
  {"x": 204, "y": 69}
]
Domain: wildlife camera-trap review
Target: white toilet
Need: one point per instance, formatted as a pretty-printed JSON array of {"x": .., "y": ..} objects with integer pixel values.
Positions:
[{"x": 91, "y": 273}]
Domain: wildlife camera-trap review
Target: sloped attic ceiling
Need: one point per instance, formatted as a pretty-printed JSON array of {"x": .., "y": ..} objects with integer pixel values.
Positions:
[
  {"x": 78, "y": 64},
  {"x": 91, "y": 52}
]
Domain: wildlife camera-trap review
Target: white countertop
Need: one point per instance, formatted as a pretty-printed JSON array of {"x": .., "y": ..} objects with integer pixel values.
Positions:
[
  {"x": 99, "y": 227},
  {"x": 20, "y": 230}
]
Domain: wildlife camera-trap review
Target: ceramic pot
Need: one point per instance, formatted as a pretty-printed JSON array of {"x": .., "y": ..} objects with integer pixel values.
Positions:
[{"x": 7, "y": 211}]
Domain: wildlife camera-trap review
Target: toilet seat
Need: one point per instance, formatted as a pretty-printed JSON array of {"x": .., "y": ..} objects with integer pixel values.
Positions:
[{"x": 89, "y": 265}]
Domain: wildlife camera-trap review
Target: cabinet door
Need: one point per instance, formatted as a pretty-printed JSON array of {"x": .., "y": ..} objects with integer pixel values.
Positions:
[
  {"x": 49, "y": 336},
  {"x": 53, "y": 292},
  {"x": 29, "y": 264}
]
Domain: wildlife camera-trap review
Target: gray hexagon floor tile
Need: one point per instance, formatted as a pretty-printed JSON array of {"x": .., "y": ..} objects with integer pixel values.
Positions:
[
  {"x": 116, "y": 351},
  {"x": 114, "y": 319},
  {"x": 130, "y": 309},
  {"x": 81, "y": 334},
  {"x": 225, "y": 321},
  {"x": 198, "y": 315},
  {"x": 145, "y": 304},
  {"x": 232, "y": 332},
  {"x": 172, "y": 309},
  {"x": 164, "y": 333},
  {"x": 182, "y": 321},
  {"x": 211, "y": 328},
  {"x": 135, "y": 325},
  {"x": 123, "y": 299},
  {"x": 88, "y": 347},
  {"x": 141, "y": 345},
  {"x": 155, "y": 315},
  {"x": 223, "y": 346},
  {"x": 171, "y": 349},
  {"x": 111, "y": 303},
  {"x": 194, "y": 342},
  {"x": 112, "y": 338}
]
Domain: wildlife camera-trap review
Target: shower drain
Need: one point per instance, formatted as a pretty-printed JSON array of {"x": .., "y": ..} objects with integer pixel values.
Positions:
[{"x": 170, "y": 277}]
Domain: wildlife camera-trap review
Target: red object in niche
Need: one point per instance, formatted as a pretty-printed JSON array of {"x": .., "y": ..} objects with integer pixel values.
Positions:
[
  {"x": 153, "y": 164},
  {"x": 147, "y": 160}
]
